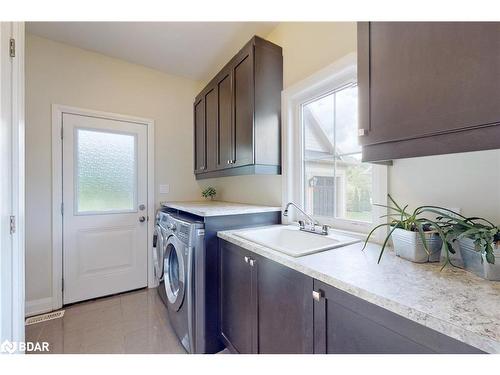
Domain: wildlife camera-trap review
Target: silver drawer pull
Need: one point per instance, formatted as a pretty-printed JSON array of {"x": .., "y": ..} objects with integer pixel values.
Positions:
[
  {"x": 252, "y": 262},
  {"x": 317, "y": 295},
  {"x": 247, "y": 259}
]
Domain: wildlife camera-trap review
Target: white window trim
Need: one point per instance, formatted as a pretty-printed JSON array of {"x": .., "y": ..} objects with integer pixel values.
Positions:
[{"x": 340, "y": 73}]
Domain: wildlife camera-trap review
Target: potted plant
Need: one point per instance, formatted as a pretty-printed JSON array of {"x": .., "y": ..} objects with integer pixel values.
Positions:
[
  {"x": 209, "y": 193},
  {"x": 415, "y": 237},
  {"x": 478, "y": 241}
]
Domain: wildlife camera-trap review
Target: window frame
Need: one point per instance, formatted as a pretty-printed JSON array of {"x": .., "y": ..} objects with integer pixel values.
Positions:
[{"x": 341, "y": 73}]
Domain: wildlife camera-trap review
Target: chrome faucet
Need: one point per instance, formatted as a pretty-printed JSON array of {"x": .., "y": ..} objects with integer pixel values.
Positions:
[{"x": 311, "y": 225}]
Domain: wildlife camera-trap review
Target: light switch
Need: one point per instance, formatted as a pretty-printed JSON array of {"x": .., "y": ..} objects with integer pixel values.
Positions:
[{"x": 164, "y": 189}]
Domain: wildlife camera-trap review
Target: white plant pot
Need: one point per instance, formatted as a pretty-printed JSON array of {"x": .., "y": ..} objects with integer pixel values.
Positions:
[
  {"x": 476, "y": 263},
  {"x": 408, "y": 245}
]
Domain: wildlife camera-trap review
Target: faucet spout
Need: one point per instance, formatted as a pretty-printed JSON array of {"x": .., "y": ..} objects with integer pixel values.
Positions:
[{"x": 310, "y": 218}]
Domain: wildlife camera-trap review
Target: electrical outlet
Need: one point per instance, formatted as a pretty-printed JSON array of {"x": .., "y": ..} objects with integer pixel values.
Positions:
[{"x": 164, "y": 189}]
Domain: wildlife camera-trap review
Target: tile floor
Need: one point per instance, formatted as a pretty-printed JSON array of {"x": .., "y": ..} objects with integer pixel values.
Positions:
[{"x": 131, "y": 323}]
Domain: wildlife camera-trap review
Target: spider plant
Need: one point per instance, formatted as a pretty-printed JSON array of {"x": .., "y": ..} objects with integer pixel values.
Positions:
[{"x": 415, "y": 221}]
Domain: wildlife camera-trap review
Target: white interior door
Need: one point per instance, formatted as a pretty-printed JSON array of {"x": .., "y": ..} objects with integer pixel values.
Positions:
[{"x": 104, "y": 207}]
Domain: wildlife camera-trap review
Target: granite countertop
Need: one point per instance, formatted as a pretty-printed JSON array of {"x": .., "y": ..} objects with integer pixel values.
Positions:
[
  {"x": 453, "y": 302},
  {"x": 218, "y": 208}
]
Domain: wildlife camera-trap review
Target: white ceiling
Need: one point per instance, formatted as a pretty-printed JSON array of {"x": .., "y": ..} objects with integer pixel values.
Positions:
[{"x": 196, "y": 50}]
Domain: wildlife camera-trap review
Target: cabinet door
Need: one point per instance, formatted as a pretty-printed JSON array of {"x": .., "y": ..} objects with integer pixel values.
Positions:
[
  {"x": 419, "y": 80},
  {"x": 285, "y": 309},
  {"x": 199, "y": 137},
  {"x": 243, "y": 153},
  {"x": 238, "y": 316},
  {"x": 225, "y": 123},
  {"x": 211, "y": 128},
  {"x": 345, "y": 324}
]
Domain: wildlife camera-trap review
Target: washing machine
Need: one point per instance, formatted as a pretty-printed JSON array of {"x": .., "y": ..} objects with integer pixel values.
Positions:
[
  {"x": 183, "y": 240},
  {"x": 159, "y": 241}
]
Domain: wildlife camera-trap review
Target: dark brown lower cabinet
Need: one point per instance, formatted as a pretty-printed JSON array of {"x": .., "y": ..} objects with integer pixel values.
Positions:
[
  {"x": 345, "y": 324},
  {"x": 264, "y": 307},
  {"x": 237, "y": 305},
  {"x": 285, "y": 309}
]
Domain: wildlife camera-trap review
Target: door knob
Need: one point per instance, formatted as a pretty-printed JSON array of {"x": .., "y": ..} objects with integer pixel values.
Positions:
[{"x": 142, "y": 219}]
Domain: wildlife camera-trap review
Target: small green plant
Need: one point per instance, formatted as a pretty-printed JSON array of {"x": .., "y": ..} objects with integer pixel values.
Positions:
[
  {"x": 483, "y": 232},
  {"x": 209, "y": 192},
  {"x": 416, "y": 222}
]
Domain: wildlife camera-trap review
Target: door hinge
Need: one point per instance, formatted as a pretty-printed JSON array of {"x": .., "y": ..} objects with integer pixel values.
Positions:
[
  {"x": 12, "y": 224},
  {"x": 12, "y": 47},
  {"x": 62, "y": 208},
  {"x": 62, "y": 284}
]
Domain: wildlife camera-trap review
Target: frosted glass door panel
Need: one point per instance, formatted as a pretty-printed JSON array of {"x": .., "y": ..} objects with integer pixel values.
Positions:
[{"x": 106, "y": 172}]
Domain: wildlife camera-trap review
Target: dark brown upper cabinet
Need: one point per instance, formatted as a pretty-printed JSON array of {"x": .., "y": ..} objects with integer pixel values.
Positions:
[
  {"x": 428, "y": 88},
  {"x": 200, "y": 141},
  {"x": 241, "y": 121}
]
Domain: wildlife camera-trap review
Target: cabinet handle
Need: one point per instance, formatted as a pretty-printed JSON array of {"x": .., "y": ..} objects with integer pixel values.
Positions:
[
  {"x": 229, "y": 162},
  {"x": 362, "y": 132},
  {"x": 247, "y": 259},
  {"x": 317, "y": 295},
  {"x": 252, "y": 262}
]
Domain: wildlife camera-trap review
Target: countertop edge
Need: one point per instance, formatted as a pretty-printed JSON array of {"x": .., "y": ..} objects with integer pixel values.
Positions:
[
  {"x": 449, "y": 329},
  {"x": 219, "y": 211}
]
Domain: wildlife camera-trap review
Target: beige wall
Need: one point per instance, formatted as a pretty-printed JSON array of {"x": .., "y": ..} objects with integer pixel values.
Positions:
[
  {"x": 310, "y": 46},
  {"x": 61, "y": 74},
  {"x": 307, "y": 47},
  {"x": 469, "y": 181}
]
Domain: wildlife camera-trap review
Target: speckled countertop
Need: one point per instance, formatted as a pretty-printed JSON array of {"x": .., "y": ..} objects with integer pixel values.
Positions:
[
  {"x": 218, "y": 208},
  {"x": 453, "y": 302}
]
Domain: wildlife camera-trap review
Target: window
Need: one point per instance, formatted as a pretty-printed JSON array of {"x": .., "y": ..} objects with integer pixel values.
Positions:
[
  {"x": 106, "y": 172},
  {"x": 323, "y": 168},
  {"x": 337, "y": 184}
]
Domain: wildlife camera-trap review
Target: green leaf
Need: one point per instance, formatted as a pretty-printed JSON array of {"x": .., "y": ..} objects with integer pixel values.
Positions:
[
  {"x": 490, "y": 257},
  {"x": 385, "y": 244},
  {"x": 372, "y": 231}
]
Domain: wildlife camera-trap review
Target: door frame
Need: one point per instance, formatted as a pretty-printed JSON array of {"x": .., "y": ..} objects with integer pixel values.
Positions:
[
  {"x": 57, "y": 193},
  {"x": 12, "y": 258}
]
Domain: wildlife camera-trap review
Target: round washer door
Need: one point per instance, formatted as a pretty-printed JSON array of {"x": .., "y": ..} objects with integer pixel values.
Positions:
[{"x": 174, "y": 273}]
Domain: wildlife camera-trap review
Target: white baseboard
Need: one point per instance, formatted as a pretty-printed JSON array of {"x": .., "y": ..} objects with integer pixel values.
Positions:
[{"x": 38, "y": 306}]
